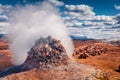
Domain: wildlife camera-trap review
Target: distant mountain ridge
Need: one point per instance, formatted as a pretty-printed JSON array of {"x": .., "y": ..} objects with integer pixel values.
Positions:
[{"x": 80, "y": 37}]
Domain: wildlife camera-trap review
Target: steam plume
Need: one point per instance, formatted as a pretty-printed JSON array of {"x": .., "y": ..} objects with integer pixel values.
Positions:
[{"x": 29, "y": 23}]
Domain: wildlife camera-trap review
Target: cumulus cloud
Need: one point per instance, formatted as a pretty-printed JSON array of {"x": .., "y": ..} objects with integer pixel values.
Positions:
[
  {"x": 117, "y": 17},
  {"x": 117, "y": 7},
  {"x": 5, "y": 8},
  {"x": 56, "y": 2},
  {"x": 3, "y": 27},
  {"x": 84, "y": 13},
  {"x": 84, "y": 21},
  {"x": 3, "y": 24},
  {"x": 3, "y": 18},
  {"x": 79, "y": 11},
  {"x": 117, "y": 21}
]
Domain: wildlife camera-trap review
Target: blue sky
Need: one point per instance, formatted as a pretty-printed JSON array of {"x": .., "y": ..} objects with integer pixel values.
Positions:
[
  {"x": 92, "y": 18},
  {"x": 101, "y": 7}
]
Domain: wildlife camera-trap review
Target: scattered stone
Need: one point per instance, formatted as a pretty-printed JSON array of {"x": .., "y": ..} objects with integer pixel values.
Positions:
[
  {"x": 83, "y": 56},
  {"x": 90, "y": 50}
]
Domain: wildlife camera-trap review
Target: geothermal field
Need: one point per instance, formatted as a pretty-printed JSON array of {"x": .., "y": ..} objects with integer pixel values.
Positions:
[
  {"x": 47, "y": 60},
  {"x": 59, "y": 40}
]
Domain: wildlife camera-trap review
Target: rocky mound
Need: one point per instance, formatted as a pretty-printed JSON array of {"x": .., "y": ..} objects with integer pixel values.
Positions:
[
  {"x": 91, "y": 50},
  {"x": 107, "y": 61},
  {"x": 47, "y": 60},
  {"x": 46, "y": 52}
]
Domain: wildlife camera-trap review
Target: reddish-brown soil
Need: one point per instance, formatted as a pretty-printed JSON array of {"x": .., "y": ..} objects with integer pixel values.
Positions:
[
  {"x": 5, "y": 55},
  {"x": 71, "y": 71},
  {"x": 108, "y": 61}
]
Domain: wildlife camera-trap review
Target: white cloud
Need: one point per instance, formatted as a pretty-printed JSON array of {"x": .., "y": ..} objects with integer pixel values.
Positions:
[
  {"x": 102, "y": 18},
  {"x": 3, "y": 18},
  {"x": 56, "y": 2},
  {"x": 4, "y": 8},
  {"x": 78, "y": 24},
  {"x": 117, "y": 7},
  {"x": 86, "y": 15},
  {"x": 89, "y": 23},
  {"x": 82, "y": 20},
  {"x": 84, "y": 12},
  {"x": 70, "y": 7},
  {"x": 3, "y": 24},
  {"x": 3, "y": 27},
  {"x": 79, "y": 11},
  {"x": 117, "y": 21},
  {"x": 117, "y": 17}
]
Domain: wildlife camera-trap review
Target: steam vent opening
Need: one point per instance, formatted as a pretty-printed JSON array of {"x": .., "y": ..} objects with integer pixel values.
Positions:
[{"x": 46, "y": 52}]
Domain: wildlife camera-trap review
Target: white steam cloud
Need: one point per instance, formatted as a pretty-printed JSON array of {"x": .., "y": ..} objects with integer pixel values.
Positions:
[{"x": 29, "y": 23}]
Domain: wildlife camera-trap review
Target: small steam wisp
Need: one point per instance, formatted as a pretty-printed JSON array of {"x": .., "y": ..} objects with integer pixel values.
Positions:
[{"x": 29, "y": 23}]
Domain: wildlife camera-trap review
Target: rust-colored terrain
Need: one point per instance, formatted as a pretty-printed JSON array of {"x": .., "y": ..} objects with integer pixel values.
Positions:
[
  {"x": 108, "y": 58},
  {"x": 5, "y": 55}
]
